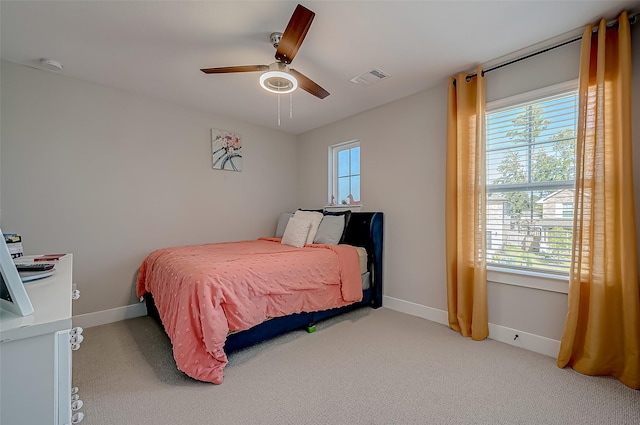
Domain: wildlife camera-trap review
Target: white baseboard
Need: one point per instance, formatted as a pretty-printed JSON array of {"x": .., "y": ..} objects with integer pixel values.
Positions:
[
  {"x": 109, "y": 316},
  {"x": 429, "y": 313},
  {"x": 528, "y": 341}
]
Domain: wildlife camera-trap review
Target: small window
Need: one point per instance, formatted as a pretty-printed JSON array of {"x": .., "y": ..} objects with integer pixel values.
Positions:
[
  {"x": 567, "y": 209},
  {"x": 530, "y": 176},
  {"x": 344, "y": 173}
]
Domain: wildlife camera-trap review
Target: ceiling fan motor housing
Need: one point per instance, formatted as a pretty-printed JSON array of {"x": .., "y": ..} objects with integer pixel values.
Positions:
[{"x": 275, "y": 39}]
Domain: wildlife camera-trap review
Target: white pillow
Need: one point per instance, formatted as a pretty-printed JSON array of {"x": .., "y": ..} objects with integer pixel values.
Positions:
[
  {"x": 296, "y": 232},
  {"x": 314, "y": 217}
]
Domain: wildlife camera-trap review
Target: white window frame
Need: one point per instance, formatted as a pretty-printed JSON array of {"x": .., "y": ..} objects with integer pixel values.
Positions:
[
  {"x": 527, "y": 278},
  {"x": 333, "y": 172}
]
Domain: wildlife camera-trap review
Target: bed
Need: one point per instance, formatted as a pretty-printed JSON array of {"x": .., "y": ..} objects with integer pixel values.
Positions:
[{"x": 205, "y": 322}]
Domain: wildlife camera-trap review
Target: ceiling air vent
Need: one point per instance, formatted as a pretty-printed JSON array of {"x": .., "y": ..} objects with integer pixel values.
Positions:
[{"x": 370, "y": 77}]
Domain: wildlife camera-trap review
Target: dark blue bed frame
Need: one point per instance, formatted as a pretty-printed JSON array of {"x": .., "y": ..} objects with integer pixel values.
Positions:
[{"x": 365, "y": 229}]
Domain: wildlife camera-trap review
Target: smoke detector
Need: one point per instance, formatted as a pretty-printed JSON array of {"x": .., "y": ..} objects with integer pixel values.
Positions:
[{"x": 50, "y": 64}]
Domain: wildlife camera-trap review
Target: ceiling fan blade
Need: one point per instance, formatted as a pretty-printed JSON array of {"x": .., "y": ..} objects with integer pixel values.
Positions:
[
  {"x": 294, "y": 34},
  {"x": 306, "y": 84},
  {"x": 227, "y": 69}
]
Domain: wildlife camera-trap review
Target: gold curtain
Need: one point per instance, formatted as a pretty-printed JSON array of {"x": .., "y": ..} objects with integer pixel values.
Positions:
[
  {"x": 465, "y": 207},
  {"x": 602, "y": 329}
]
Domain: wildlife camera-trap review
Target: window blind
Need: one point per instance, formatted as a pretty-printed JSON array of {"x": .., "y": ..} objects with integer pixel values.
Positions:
[{"x": 530, "y": 176}]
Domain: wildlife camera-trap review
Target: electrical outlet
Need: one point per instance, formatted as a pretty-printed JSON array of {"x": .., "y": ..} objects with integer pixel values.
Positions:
[{"x": 517, "y": 340}]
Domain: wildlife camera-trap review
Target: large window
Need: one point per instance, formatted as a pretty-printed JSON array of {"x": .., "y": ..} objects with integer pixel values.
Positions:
[
  {"x": 530, "y": 179},
  {"x": 344, "y": 173}
]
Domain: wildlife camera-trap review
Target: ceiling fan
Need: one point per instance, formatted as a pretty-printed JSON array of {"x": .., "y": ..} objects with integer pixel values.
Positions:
[{"x": 278, "y": 77}]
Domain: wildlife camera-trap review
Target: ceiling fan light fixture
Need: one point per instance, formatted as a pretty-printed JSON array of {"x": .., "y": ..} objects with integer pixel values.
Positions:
[{"x": 278, "y": 82}]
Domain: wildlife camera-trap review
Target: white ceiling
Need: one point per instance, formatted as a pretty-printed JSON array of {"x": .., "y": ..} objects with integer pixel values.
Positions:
[{"x": 157, "y": 47}]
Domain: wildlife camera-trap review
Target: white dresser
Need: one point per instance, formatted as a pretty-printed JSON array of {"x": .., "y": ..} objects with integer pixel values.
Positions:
[{"x": 35, "y": 355}]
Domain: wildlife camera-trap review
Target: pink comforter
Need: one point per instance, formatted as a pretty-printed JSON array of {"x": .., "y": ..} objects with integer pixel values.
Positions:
[{"x": 203, "y": 292}]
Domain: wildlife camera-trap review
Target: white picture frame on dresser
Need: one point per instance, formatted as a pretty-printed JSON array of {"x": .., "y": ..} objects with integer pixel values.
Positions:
[{"x": 13, "y": 295}]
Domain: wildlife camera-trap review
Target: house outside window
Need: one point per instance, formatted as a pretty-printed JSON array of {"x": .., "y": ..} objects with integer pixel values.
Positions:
[
  {"x": 530, "y": 150},
  {"x": 344, "y": 173}
]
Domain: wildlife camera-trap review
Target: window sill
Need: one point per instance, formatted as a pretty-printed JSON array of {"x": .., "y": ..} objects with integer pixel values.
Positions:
[
  {"x": 343, "y": 207},
  {"x": 536, "y": 280}
]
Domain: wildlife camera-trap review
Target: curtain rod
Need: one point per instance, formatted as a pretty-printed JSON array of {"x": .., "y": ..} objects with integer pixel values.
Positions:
[{"x": 633, "y": 19}]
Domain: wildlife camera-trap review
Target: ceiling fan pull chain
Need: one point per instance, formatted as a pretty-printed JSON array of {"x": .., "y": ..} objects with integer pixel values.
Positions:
[
  {"x": 278, "y": 110},
  {"x": 291, "y": 105}
]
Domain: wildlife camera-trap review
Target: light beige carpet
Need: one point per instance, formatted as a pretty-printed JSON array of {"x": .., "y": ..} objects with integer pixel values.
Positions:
[{"x": 367, "y": 367}]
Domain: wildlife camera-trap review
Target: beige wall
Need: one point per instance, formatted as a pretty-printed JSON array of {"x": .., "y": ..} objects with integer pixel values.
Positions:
[
  {"x": 110, "y": 176},
  {"x": 403, "y": 174}
]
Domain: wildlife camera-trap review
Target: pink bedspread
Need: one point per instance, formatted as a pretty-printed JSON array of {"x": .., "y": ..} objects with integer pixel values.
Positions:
[{"x": 204, "y": 291}]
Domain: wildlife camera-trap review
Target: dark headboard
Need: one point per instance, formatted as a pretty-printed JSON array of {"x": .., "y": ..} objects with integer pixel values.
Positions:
[{"x": 365, "y": 229}]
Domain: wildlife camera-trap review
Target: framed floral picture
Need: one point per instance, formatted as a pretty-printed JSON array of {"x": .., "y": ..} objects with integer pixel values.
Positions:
[{"x": 226, "y": 150}]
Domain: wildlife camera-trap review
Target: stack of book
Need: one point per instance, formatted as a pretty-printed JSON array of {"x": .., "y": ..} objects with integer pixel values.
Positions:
[
  {"x": 14, "y": 243},
  {"x": 47, "y": 258}
]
